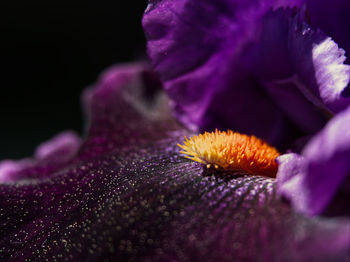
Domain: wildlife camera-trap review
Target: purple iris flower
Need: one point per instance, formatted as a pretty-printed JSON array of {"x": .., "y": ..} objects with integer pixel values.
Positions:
[{"x": 123, "y": 192}]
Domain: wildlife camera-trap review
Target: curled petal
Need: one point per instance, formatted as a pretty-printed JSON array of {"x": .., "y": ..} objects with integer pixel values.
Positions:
[
  {"x": 333, "y": 18},
  {"x": 312, "y": 180},
  {"x": 301, "y": 69},
  {"x": 331, "y": 74}
]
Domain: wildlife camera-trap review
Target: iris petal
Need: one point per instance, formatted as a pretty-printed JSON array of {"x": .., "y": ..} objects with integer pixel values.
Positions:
[
  {"x": 49, "y": 157},
  {"x": 224, "y": 62},
  {"x": 312, "y": 180},
  {"x": 197, "y": 48}
]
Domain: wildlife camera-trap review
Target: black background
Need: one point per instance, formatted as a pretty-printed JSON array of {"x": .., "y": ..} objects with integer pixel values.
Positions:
[{"x": 49, "y": 52}]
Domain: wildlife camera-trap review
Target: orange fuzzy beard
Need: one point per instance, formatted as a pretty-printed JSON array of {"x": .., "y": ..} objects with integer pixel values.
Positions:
[{"x": 232, "y": 151}]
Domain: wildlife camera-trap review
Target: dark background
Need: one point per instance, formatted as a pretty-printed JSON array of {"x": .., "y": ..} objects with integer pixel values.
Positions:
[{"x": 49, "y": 52}]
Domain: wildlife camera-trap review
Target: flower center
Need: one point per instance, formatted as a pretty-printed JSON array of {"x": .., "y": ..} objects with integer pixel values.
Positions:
[{"x": 232, "y": 151}]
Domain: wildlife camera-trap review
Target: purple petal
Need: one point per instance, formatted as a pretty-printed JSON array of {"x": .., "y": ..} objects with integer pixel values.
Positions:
[
  {"x": 282, "y": 61},
  {"x": 312, "y": 180},
  {"x": 307, "y": 75},
  {"x": 333, "y": 18},
  {"x": 319, "y": 64},
  {"x": 222, "y": 63},
  {"x": 197, "y": 48},
  {"x": 49, "y": 157},
  {"x": 129, "y": 195},
  {"x": 332, "y": 75}
]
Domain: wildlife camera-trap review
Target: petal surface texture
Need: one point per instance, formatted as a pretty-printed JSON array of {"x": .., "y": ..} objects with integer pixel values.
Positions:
[{"x": 127, "y": 194}]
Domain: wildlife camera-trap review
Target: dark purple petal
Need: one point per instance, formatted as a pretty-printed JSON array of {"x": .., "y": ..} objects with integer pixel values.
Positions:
[
  {"x": 197, "y": 47},
  {"x": 282, "y": 61},
  {"x": 312, "y": 180},
  {"x": 318, "y": 62},
  {"x": 224, "y": 62},
  {"x": 302, "y": 69},
  {"x": 49, "y": 157},
  {"x": 129, "y": 195},
  {"x": 114, "y": 101}
]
